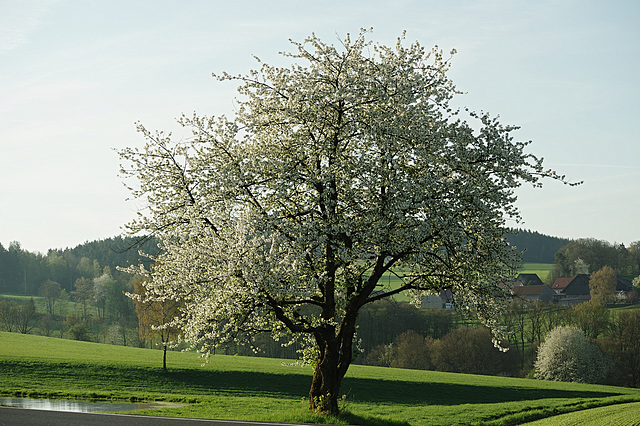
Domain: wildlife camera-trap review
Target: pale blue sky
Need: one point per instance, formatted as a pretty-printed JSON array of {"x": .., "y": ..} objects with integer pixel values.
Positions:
[{"x": 75, "y": 75}]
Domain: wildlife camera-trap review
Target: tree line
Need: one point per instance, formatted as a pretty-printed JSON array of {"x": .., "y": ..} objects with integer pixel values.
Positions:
[
  {"x": 587, "y": 255},
  {"x": 23, "y": 272}
]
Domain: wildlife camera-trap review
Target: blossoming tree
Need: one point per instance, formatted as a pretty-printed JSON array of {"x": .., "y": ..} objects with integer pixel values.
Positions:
[{"x": 345, "y": 166}]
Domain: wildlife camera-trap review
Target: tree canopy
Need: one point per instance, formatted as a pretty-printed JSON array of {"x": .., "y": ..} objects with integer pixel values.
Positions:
[
  {"x": 347, "y": 165},
  {"x": 587, "y": 255},
  {"x": 602, "y": 285}
]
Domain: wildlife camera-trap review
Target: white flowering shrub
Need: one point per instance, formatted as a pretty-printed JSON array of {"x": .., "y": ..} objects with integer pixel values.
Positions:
[
  {"x": 567, "y": 355},
  {"x": 346, "y": 166}
]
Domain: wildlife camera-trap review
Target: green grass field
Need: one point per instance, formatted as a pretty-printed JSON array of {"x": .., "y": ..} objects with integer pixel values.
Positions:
[
  {"x": 264, "y": 389},
  {"x": 542, "y": 269},
  {"x": 619, "y": 415}
]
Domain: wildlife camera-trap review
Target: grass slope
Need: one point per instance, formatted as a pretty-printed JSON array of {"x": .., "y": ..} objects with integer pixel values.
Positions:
[
  {"x": 619, "y": 415},
  {"x": 265, "y": 389}
]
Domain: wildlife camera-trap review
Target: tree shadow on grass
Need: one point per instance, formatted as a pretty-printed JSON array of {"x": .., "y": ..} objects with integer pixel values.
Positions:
[
  {"x": 114, "y": 378},
  {"x": 365, "y": 390},
  {"x": 452, "y": 393}
]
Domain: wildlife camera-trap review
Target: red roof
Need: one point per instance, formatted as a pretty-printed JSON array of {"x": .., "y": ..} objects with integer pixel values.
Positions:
[{"x": 561, "y": 283}]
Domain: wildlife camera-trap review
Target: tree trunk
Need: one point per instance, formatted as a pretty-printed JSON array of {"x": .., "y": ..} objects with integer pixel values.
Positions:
[
  {"x": 323, "y": 396},
  {"x": 335, "y": 353},
  {"x": 164, "y": 356}
]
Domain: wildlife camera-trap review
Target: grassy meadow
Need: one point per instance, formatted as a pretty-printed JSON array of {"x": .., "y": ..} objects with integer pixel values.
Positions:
[
  {"x": 266, "y": 389},
  {"x": 542, "y": 269}
]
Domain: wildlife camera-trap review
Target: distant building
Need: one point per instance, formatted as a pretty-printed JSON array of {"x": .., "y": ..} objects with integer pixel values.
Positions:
[
  {"x": 579, "y": 286},
  {"x": 623, "y": 285},
  {"x": 444, "y": 300},
  {"x": 570, "y": 291},
  {"x": 529, "y": 279},
  {"x": 560, "y": 284},
  {"x": 543, "y": 292}
]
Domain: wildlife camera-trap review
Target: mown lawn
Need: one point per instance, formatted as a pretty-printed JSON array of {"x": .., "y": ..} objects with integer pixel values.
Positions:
[{"x": 266, "y": 389}]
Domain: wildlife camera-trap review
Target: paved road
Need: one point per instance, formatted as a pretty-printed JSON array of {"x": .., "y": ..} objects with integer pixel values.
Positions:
[{"x": 22, "y": 416}]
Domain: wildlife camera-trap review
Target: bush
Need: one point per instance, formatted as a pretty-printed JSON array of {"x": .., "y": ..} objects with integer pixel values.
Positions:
[
  {"x": 379, "y": 356},
  {"x": 411, "y": 350},
  {"x": 566, "y": 355},
  {"x": 470, "y": 350}
]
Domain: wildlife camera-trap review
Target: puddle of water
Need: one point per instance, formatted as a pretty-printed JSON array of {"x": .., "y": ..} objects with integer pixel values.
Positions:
[{"x": 79, "y": 406}]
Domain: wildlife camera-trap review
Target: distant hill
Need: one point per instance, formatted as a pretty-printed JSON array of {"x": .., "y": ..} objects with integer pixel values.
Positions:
[
  {"x": 116, "y": 251},
  {"x": 23, "y": 272},
  {"x": 537, "y": 248}
]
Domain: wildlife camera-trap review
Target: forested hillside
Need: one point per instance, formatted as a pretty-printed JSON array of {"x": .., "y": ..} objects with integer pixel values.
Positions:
[
  {"x": 536, "y": 247},
  {"x": 23, "y": 272}
]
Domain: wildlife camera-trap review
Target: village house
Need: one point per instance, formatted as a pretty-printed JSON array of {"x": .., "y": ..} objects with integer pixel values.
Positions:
[
  {"x": 529, "y": 279},
  {"x": 444, "y": 300},
  {"x": 560, "y": 284},
  {"x": 543, "y": 292},
  {"x": 571, "y": 291}
]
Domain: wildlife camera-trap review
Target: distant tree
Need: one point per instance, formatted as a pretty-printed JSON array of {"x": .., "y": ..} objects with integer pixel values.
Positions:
[
  {"x": 536, "y": 247},
  {"x": 580, "y": 267},
  {"x": 8, "y": 314},
  {"x": 50, "y": 291},
  {"x": 602, "y": 286},
  {"x": 634, "y": 257},
  {"x": 63, "y": 303},
  {"x": 25, "y": 316},
  {"x": 46, "y": 324},
  {"x": 515, "y": 319},
  {"x": 5, "y": 265},
  {"x": 412, "y": 350},
  {"x": 380, "y": 323},
  {"x": 622, "y": 344},
  {"x": 107, "y": 294},
  {"x": 154, "y": 315},
  {"x": 536, "y": 313},
  {"x": 571, "y": 259},
  {"x": 408, "y": 350},
  {"x": 88, "y": 268},
  {"x": 56, "y": 266},
  {"x": 79, "y": 329},
  {"x": 380, "y": 356},
  {"x": 83, "y": 293},
  {"x": 567, "y": 356},
  {"x": 592, "y": 318}
]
